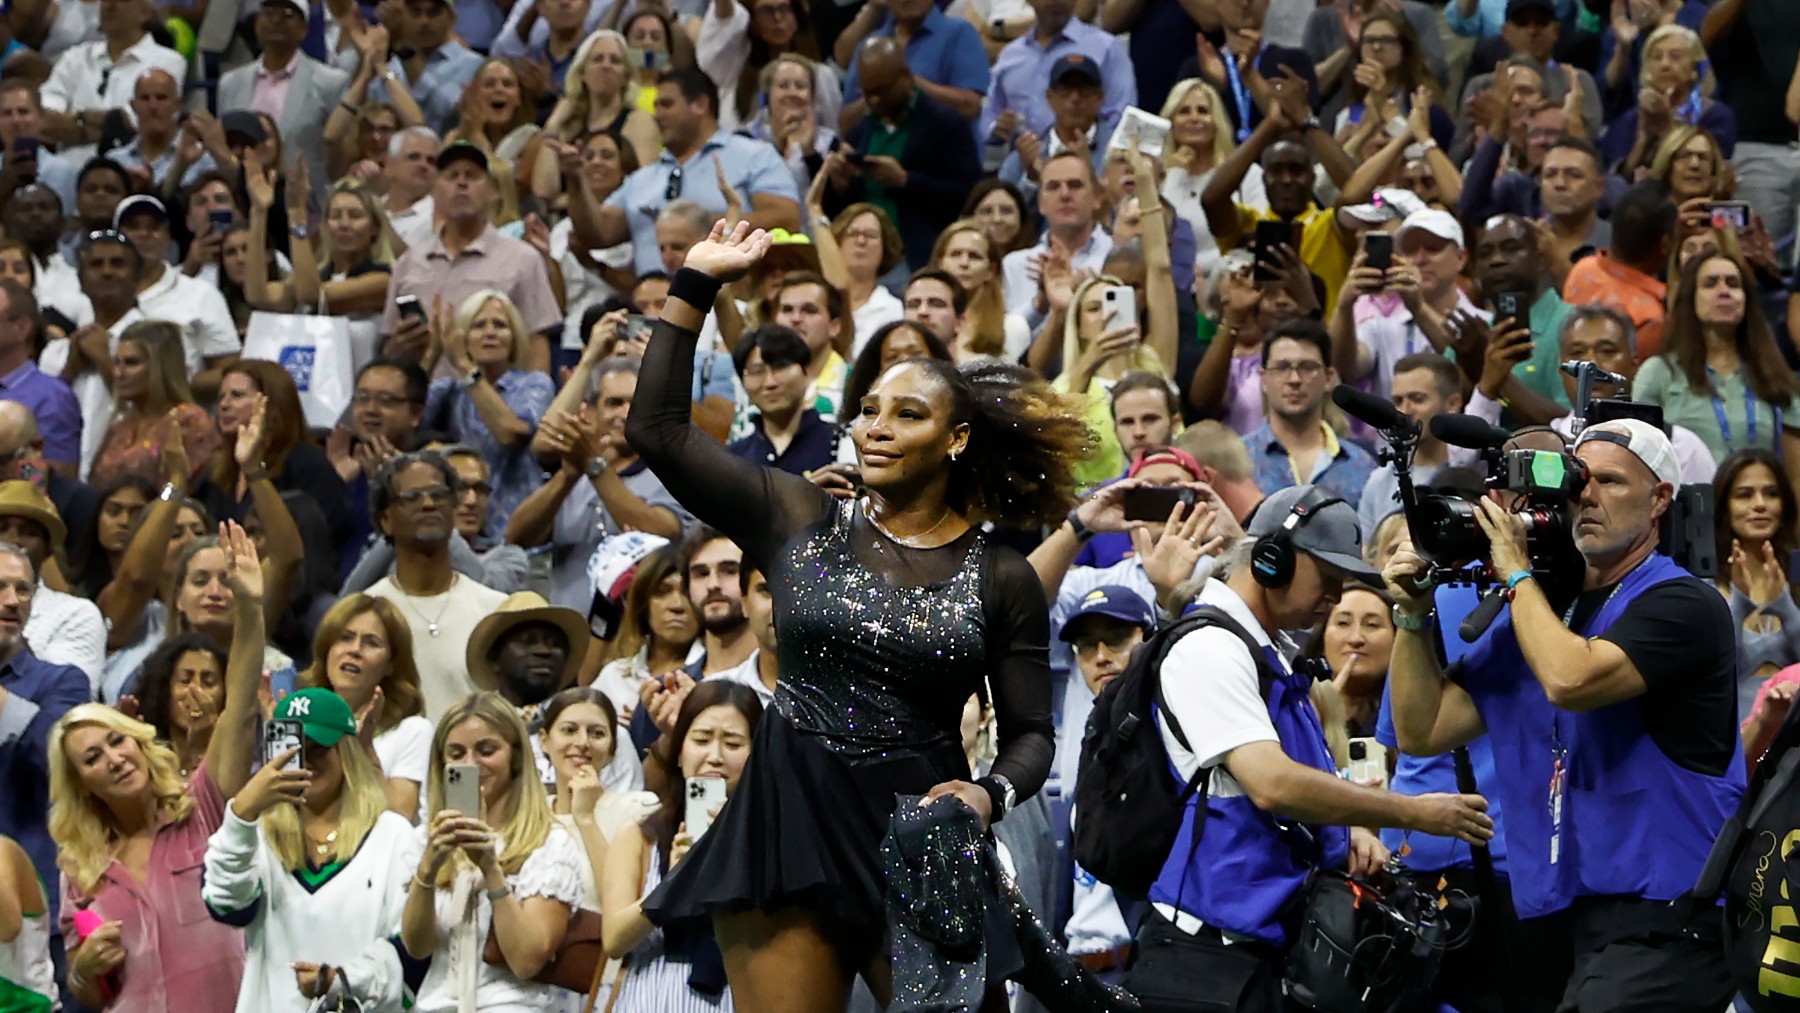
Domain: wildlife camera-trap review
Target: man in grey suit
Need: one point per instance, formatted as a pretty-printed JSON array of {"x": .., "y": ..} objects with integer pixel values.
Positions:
[{"x": 297, "y": 91}]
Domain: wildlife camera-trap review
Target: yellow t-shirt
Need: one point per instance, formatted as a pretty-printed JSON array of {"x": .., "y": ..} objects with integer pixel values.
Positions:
[{"x": 1323, "y": 249}]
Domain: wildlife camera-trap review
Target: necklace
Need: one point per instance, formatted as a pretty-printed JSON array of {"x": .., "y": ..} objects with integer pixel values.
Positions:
[
  {"x": 431, "y": 622},
  {"x": 321, "y": 848},
  {"x": 910, "y": 541}
]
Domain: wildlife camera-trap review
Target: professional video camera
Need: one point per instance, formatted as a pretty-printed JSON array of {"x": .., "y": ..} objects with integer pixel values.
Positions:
[{"x": 1541, "y": 487}]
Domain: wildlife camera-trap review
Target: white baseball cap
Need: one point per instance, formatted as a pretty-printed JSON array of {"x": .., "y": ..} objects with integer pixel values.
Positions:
[
  {"x": 1439, "y": 223},
  {"x": 1646, "y": 442}
]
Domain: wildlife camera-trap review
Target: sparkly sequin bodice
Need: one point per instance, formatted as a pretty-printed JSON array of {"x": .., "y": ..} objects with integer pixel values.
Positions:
[{"x": 873, "y": 665}]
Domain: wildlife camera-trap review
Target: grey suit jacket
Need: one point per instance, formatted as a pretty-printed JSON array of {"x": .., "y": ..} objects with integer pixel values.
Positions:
[{"x": 313, "y": 93}]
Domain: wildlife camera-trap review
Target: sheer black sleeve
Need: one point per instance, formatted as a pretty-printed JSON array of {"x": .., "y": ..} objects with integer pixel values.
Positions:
[
  {"x": 758, "y": 508},
  {"x": 1019, "y": 671}
]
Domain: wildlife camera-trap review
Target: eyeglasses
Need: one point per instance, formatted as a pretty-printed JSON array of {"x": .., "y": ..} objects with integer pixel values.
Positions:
[
  {"x": 382, "y": 399},
  {"x": 863, "y": 236},
  {"x": 479, "y": 488},
  {"x": 1304, "y": 370},
  {"x": 435, "y": 493},
  {"x": 774, "y": 11},
  {"x": 674, "y": 189}
]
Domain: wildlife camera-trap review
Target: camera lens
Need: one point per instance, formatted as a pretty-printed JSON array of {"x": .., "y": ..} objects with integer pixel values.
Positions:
[{"x": 1446, "y": 531}]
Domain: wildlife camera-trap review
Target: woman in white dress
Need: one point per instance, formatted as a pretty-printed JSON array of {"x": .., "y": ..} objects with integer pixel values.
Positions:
[{"x": 509, "y": 870}]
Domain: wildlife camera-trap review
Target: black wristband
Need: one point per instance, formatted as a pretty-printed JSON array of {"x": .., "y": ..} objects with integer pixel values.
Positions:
[
  {"x": 996, "y": 798},
  {"x": 1082, "y": 531},
  {"x": 695, "y": 288}
]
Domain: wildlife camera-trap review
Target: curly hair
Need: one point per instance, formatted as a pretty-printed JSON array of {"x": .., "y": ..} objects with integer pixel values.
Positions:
[
  {"x": 156, "y": 682},
  {"x": 1024, "y": 442}
]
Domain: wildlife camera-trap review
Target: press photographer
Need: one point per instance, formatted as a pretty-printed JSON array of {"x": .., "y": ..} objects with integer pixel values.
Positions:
[{"x": 1620, "y": 764}]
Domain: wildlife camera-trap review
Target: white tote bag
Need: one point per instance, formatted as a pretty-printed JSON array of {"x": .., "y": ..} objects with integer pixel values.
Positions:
[{"x": 315, "y": 350}]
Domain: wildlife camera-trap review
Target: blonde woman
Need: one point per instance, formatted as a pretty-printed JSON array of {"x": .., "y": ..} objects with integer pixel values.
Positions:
[
  {"x": 510, "y": 870},
  {"x": 1094, "y": 358},
  {"x": 966, "y": 251},
  {"x": 1676, "y": 86},
  {"x": 1201, "y": 135},
  {"x": 797, "y": 113},
  {"x": 311, "y": 865},
  {"x": 128, "y": 830},
  {"x": 153, "y": 407},
  {"x": 597, "y": 97},
  {"x": 492, "y": 404},
  {"x": 363, "y": 652},
  {"x": 1689, "y": 161}
]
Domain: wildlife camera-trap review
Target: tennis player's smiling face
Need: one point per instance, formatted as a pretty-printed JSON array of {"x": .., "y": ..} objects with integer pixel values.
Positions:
[{"x": 904, "y": 431}]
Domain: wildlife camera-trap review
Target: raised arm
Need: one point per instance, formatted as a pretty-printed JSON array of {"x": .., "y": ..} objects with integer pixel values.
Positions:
[
  {"x": 1159, "y": 290},
  {"x": 261, "y": 291},
  {"x": 757, "y": 507},
  {"x": 228, "y": 755},
  {"x": 139, "y": 575},
  {"x": 286, "y": 550}
]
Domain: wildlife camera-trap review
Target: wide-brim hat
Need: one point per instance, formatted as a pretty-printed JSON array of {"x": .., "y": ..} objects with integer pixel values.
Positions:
[
  {"x": 19, "y": 498},
  {"x": 523, "y": 609}
]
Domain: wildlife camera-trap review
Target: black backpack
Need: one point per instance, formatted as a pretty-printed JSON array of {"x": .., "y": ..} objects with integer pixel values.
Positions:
[
  {"x": 1128, "y": 805},
  {"x": 1755, "y": 862}
]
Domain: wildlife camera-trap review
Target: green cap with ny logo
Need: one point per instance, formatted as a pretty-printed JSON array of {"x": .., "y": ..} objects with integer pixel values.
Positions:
[{"x": 323, "y": 715}]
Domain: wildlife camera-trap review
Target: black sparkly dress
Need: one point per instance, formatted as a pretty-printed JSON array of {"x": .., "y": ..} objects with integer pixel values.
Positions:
[{"x": 880, "y": 647}]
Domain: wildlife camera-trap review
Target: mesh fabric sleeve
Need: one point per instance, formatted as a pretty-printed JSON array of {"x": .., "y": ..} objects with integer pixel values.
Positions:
[
  {"x": 759, "y": 508},
  {"x": 1019, "y": 671}
]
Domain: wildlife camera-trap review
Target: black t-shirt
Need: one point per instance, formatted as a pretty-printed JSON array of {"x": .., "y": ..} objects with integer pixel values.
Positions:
[
  {"x": 1754, "y": 63},
  {"x": 1679, "y": 635}
]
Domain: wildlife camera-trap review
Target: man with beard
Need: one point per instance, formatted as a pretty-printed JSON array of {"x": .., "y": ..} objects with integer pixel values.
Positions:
[
  {"x": 600, "y": 490},
  {"x": 527, "y": 652},
  {"x": 1296, "y": 446},
  {"x": 411, "y": 498},
  {"x": 711, "y": 574},
  {"x": 67, "y": 629},
  {"x": 34, "y": 216}
]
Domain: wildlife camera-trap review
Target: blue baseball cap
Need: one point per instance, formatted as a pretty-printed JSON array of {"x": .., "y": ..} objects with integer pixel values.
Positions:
[{"x": 1115, "y": 602}]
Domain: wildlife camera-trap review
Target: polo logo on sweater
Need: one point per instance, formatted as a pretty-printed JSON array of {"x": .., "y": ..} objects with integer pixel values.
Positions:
[{"x": 298, "y": 361}]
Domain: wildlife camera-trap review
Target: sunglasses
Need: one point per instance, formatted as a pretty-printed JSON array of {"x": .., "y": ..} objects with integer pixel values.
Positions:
[{"x": 674, "y": 189}]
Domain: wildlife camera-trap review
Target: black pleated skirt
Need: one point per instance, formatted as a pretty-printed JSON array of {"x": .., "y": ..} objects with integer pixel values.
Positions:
[{"x": 803, "y": 829}]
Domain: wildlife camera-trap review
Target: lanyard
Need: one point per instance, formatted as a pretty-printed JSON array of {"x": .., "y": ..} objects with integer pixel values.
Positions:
[
  {"x": 1718, "y": 406},
  {"x": 1240, "y": 95}
]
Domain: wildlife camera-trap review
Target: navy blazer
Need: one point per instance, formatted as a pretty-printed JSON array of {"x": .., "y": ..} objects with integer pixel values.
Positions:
[{"x": 942, "y": 165}]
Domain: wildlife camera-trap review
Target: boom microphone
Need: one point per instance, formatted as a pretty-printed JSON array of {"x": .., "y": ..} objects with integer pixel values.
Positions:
[
  {"x": 1371, "y": 410},
  {"x": 1467, "y": 431}
]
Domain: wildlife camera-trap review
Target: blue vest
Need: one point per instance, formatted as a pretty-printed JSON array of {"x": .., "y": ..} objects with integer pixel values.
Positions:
[
  {"x": 1246, "y": 871},
  {"x": 1634, "y": 823}
]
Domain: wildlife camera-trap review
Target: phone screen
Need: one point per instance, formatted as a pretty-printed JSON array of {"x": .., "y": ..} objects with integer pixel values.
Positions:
[
  {"x": 1154, "y": 502},
  {"x": 1378, "y": 251},
  {"x": 409, "y": 306},
  {"x": 1269, "y": 236}
]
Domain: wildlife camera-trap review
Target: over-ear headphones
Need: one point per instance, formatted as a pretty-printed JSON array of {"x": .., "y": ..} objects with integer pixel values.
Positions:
[{"x": 1272, "y": 558}]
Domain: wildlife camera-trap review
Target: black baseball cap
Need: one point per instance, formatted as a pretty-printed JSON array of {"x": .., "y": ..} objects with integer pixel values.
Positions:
[
  {"x": 244, "y": 123},
  {"x": 462, "y": 151},
  {"x": 1074, "y": 65},
  {"x": 1516, "y": 9}
]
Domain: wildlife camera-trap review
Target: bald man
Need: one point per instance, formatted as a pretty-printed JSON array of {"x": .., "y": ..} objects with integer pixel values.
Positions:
[
  {"x": 156, "y": 101},
  {"x": 917, "y": 151},
  {"x": 22, "y": 451}
]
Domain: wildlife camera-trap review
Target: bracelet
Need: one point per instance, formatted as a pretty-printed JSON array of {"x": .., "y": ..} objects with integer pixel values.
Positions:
[
  {"x": 1082, "y": 531},
  {"x": 257, "y": 474},
  {"x": 416, "y": 881},
  {"x": 347, "y": 107},
  {"x": 1517, "y": 577},
  {"x": 1411, "y": 623},
  {"x": 695, "y": 288},
  {"x": 498, "y": 892},
  {"x": 169, "y": 492},
  {"x": 1427, "y": 144}
]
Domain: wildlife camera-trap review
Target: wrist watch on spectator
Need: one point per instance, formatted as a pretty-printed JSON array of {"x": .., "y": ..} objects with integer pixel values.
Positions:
[
  {"x": 472, "y": 377},
  {"x": 596, "y": 466}
]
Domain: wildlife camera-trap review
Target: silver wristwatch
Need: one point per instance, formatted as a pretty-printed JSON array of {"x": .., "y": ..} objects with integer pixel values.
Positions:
[{"x": 596, "y": 466}]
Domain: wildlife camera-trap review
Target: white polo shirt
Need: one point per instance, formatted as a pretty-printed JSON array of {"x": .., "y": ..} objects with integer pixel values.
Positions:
[{"x": 85, "y": 77}]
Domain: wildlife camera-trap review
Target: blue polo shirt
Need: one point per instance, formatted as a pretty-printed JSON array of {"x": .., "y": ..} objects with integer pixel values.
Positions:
[
  {"x": 752, "y": 166},
  {"x": 39, "y": 694},
  {"x": 814, "y": 445},
  {"x": 1343, "y": 468},
  {"x": 945, "y": 50},
  {"x": 448, "y": 70}
]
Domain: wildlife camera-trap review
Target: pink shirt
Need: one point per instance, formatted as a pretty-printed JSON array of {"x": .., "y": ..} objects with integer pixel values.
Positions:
[
  {"x": 268, "y": 91},
  {"x": 176, "y": 956}
]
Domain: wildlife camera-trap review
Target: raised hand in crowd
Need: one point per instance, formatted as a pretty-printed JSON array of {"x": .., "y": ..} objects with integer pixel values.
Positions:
[
  {"x": 1170, "y": 556},
  {"x": 1760, "y": 576},
  {"x": 275, "y": 784}
]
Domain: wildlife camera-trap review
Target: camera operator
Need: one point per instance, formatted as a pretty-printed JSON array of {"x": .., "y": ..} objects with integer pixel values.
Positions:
[
  {"x": 1620, "y": 764},
  {"x": 1425, "y": 384},
  {"x": 1219, "y": 926}
]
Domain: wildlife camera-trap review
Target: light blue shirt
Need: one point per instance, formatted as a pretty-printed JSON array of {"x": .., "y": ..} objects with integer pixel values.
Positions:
[
  {"x": 753, "y": 167},
  {"x": 1022, "y": 75},
  {"x": 945, "y": 50},
  {"x": 479, "y": 20},
  {"x": 448, "y": 70}
]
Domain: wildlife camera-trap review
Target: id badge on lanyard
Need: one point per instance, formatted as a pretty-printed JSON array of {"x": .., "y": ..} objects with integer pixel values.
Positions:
[{"x": 1559, "y": 779}]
